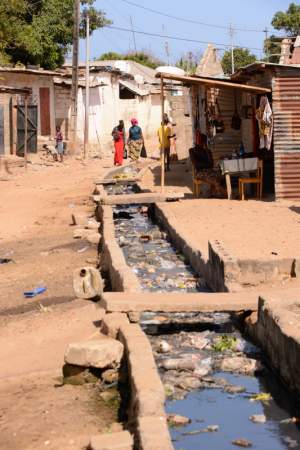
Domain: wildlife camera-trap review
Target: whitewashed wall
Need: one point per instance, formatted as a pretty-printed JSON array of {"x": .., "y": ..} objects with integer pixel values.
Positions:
[{"x": 106, "y": 109}]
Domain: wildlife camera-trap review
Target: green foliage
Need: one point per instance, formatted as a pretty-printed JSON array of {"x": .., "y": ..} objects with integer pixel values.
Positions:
[
  {"x": 142, "y": 57},
  {"x": 224, "y": 343},
  {"x": 40, "y": 32},
  {"x": 272, "y": 49},
  {"x": 188, "y": 62},
  {"x": 242, "y": 57},
  {"x": 288, "y": 21}
]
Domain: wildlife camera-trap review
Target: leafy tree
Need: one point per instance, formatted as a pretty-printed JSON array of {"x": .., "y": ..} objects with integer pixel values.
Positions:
[
  {"x": 289, "y": 23},
  {"x": 40, "y": 32},
  {"x": 272, "y": 49},
  {"x": 242, "y": 57},
  {"x": 142, "y": 57},
  {"x": 188, "y": 62}
]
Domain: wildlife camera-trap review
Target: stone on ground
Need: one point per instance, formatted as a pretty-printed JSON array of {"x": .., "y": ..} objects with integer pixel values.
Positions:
[
  {"x": 101, "y": 353},
  {"x": 115, "y": 441},
  {"x": 94, "y": 237},
  {"x": 79, "y": 218}
]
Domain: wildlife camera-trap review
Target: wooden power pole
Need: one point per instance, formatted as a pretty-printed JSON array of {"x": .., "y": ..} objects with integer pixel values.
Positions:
[
  {"x": 87, "y": 87},
  {"x": 75, "y": 58}
]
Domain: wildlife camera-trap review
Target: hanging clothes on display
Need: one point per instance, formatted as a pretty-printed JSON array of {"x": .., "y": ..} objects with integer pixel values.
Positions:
[
  {"x": 202, "y": 112},
  {"x": 264, "y": 116}
]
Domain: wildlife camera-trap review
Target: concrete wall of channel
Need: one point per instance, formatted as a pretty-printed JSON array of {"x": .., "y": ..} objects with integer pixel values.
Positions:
[
  {"x": 217, "y": 269},
  {"x": 113, "y": 261},
  {"x": 221, "y": 271},
  {"x": 146, "y": 415},
  {"x": 275, "y": 328}
]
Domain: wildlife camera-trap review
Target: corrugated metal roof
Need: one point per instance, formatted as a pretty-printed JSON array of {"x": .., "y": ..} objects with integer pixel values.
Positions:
[
  {"x": 29, "y": 71},
  {"x": 263, "y": 65},
  {"x": 134, "y": 88},
  {"x": 215, "y": 82}
]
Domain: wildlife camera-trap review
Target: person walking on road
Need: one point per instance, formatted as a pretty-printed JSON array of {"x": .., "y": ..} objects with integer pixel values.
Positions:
[
  {"x": 135, "y": 140},
  {"x": 118, "y": 135}
]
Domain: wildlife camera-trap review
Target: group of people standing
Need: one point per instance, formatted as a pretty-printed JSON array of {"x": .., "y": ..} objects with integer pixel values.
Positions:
[{"x": 136, "y": 144}]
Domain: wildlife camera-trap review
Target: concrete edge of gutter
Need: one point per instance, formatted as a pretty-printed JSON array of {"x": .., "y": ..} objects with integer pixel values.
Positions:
[
  {"x": 146, "y": 412},
  {"x": 112, "y": 258}
]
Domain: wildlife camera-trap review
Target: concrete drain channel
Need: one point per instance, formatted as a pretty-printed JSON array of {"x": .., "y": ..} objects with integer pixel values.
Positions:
[{"x": 218, "y": 391}]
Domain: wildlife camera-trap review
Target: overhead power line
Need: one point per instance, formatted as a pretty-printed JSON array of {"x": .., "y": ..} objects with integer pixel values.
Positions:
[
  {"x": 182, "y": 19},
  {"x": 177, "y": 38}
]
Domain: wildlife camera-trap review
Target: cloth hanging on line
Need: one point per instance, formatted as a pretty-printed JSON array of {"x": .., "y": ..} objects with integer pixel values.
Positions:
[{"x": 264, "y": 116}]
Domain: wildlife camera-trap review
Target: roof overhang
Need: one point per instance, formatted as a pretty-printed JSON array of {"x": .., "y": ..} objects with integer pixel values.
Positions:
[
  {"x": 133, "y": 88},
  {"x": 259, "y": 67},
  {"x": 13, "y": 90},
  {"x": 210, "y": 82}
]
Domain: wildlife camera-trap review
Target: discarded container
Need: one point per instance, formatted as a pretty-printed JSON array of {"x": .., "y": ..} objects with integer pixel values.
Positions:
[
  {"x": 35, "y": 292},
  {"x": 87, "y": 282}
]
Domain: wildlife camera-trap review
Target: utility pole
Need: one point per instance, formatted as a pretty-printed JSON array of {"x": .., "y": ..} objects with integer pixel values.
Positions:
[
  {"x": 266, "y": 31},
  {"x": 167, "y": 52},
  {"x": 75, "y": 57},
  {"x": 231, "y": 33},
  {"x": 190, "y": 64},
  {"x": 133, "y": 34},
  {"x": 87, "y": 86}
]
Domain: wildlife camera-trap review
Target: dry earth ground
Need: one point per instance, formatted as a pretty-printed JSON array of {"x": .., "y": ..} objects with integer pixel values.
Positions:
[{"x": 35, "y": 231}]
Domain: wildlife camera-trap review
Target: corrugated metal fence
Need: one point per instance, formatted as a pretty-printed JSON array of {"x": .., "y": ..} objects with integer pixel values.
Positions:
[{"x": 286, "y": 106}]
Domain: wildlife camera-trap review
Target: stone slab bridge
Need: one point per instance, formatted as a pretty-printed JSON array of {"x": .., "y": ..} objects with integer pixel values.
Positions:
[{"x": 169, "y": 302}]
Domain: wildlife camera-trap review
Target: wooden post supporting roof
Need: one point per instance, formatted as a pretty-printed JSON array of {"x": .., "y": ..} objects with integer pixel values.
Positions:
[{"x": 162, "y": 151}]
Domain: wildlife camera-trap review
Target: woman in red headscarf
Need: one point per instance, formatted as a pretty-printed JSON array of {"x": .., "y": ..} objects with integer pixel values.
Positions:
[
  {"x": 118, "y": 135},
  {"x": 135, "y": 140}
]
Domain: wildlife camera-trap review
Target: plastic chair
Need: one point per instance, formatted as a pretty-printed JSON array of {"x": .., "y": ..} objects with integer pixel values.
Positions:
[{"x": 258, "y": 180}]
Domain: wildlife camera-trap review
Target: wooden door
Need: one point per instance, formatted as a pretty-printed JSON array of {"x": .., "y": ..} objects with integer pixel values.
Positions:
[
  {"x": 31, "y": 129},
  {"x": 45, "y": 111}
]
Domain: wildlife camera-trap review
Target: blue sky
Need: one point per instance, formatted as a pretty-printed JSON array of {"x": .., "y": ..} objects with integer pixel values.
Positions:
[{"x": 254, "y": 14}]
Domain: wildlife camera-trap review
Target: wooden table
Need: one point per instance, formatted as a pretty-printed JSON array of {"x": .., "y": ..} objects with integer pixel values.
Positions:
[{"x": 237, "y": 166}]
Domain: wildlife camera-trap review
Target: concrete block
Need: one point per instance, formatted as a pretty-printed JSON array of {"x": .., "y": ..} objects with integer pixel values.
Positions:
[
  {"x": 111, "y": 324},
  {"x": 100, "y": 353},
  {"x": 115, "y": 441}
]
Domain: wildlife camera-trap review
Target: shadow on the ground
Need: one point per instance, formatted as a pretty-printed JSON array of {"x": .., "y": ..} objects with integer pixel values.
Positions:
[
  {"x": 295, "y": 209},
  {"x": 180, "y": 175}
]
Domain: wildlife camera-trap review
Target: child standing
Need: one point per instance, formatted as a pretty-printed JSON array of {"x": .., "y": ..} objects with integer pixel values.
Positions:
[{"x": 59, "y": 144}]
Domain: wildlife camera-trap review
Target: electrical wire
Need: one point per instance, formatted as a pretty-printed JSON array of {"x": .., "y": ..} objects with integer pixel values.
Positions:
[
  {"x": 170, "y": 16},
  {"x": 177, "y": 38}
]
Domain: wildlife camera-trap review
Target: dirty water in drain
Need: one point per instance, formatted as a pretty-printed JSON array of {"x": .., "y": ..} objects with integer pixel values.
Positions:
[{"x": 213, "y": 376}]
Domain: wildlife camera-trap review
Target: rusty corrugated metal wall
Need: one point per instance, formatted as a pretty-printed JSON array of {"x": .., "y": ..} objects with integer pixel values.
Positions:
[{"x": 286, "y": 108}]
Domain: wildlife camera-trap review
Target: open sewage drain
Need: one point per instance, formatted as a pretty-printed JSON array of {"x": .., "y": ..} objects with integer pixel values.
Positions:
[{"x": 220, "y": 392}]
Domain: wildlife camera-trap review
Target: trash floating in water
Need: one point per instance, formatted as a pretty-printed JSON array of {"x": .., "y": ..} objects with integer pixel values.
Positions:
[
  {"x": 261, "y": 397},
  {"x": 152, "y": 257},
  {"x": 35, "y": 292}
]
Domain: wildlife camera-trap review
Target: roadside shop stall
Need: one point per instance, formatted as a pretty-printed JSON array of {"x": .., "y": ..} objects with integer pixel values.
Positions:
[{"x": 231, "y": 121}]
